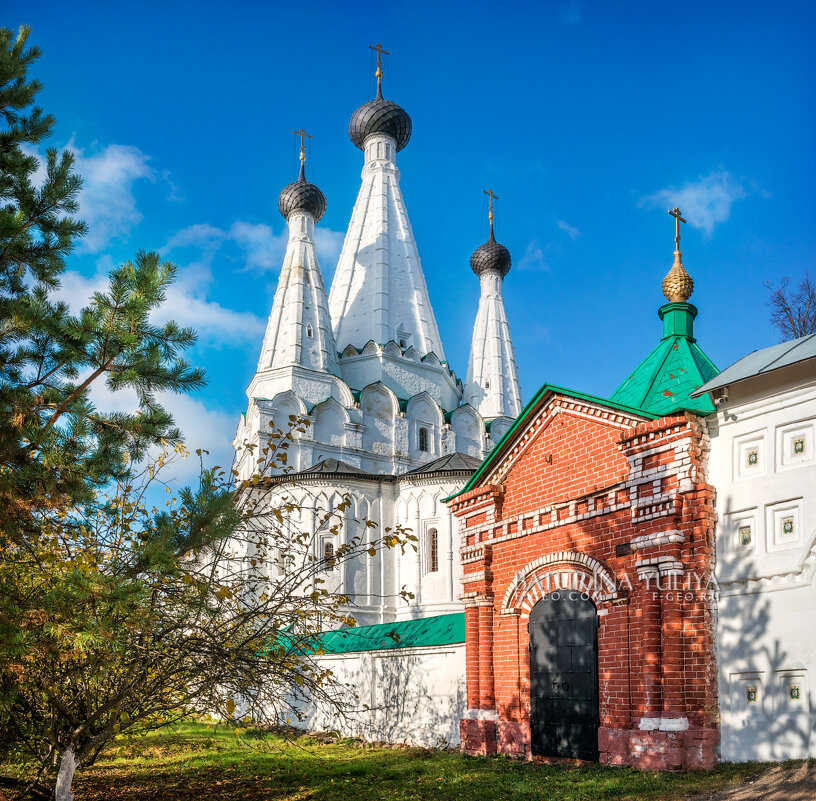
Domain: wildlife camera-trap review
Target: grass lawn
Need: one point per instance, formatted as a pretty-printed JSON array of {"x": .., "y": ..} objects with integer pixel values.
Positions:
[{"x": 192, "y": 762}]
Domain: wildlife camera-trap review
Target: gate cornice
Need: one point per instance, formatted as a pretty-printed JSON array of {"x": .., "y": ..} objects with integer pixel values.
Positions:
[{"x": 565, "y": 570}]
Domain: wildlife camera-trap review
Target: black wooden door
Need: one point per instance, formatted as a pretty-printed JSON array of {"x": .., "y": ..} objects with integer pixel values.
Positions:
[{"x": 564, "y": 676}]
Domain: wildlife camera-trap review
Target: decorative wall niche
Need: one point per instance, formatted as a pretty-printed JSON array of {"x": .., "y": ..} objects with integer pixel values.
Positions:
[
  {"x": 791, "y": 695},
  {"x": 741, "y": 532},
  {"x": 747, "y": 694},
  {"x": 750, "y": 455},
  {"x": 794, "y": 445},
  {"x": 783, "y": 525}
]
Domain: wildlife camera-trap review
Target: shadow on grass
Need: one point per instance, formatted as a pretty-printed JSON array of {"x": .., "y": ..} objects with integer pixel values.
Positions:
[{"x": 193, "y": 761}]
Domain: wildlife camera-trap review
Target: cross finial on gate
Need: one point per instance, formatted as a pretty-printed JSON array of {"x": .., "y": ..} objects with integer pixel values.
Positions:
[{"x": 676, "y": 213}]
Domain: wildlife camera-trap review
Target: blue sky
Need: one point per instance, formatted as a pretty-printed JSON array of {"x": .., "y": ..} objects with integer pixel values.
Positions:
[{"x": 587, "y": 119}]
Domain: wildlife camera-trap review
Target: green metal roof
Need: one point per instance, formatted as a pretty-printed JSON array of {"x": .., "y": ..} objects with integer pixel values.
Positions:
[
  {"x": 663, "y": 382},
  {"x": 421, "y": 633},
  {"x": 532, "y": 406}
]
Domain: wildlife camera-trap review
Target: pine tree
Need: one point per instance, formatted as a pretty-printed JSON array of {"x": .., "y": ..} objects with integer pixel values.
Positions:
[
  {"x": 55, "y": 446},
  {"x": 116, "y": 617}
]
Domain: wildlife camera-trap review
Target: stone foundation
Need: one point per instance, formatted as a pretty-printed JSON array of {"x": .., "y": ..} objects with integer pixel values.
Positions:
[
  {"x": 514, "y": 738},
  {"x": 693, "y": 749},
  {"x": 478, "y": 737}
]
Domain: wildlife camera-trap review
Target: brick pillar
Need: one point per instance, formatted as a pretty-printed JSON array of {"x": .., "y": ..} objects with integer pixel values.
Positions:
[
  {"x": 650, "y": 643},
  {"x": 487, "y": 693},
  {"x": 472, "y": 654},
  {"x": 478, "y": 728},
  {"x": 671, "y": 579}
]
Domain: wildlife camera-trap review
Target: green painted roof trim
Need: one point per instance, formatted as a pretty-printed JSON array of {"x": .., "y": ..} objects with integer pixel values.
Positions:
[
  {"x": 525, "y": 413},
  {"x": 424, "y": 632},
  {"x": 663, "y": 382}
]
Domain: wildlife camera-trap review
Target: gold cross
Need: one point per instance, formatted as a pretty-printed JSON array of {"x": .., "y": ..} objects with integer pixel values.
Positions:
[
  {"x": 675, "y": 212},
  {"x": 379, "y": 48},
  {"x": 302, "y": 133},
  {"x": 489, "y": 193}
]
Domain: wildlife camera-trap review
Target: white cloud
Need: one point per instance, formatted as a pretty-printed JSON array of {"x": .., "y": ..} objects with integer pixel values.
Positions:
[
  {"x": 569, "y": 230},
  {"x": 107, "y": 202},
  {"x": 209, "y": 429},
  {"x": 262, "y": 247},
  {"x": 186, "y": 303},
  {"x": 76, "y": 289},
  {"x": 533, "y": 258},
  {"x": 201, "y": 236},
  {"x": 205, "y": 428},
  {"x": 704, "y": 202},
  {"x": 215, "y": 324},
  {"x": 328, "y": 244}
]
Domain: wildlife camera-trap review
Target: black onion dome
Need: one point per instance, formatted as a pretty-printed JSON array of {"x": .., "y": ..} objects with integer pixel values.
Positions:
[
  {"x": 490, "y": 256},
  {"x": 302, "y": 196},
  {"x": 380, "y": 116}
]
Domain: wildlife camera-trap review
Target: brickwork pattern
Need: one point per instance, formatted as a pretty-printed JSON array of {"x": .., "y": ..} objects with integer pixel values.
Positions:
[{"x": 589, "y": 500}]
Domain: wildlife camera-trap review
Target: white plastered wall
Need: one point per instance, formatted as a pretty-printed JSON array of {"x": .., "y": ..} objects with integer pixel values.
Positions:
[
  {"x": 766, "y": 561},
  {"x": 415, "y": 695}
]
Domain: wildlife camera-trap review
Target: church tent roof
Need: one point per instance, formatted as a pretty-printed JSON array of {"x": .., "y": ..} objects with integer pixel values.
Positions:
[{"x": 665, "y": 380}]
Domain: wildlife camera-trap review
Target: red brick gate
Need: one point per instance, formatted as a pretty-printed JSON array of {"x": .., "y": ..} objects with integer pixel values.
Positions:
[{"x": 588, "y": 497}]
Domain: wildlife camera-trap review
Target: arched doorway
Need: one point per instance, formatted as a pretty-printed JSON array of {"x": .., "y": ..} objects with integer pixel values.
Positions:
[{"x": 564, "y": 676}]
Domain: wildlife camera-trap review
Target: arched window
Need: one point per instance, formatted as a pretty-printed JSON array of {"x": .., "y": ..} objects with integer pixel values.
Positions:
[
  {"x": 423, "y": 439},
  {"x": 309, "y": 330},
  {"x": 432, "y": 551},
  {"x": 328, "y": 555}
]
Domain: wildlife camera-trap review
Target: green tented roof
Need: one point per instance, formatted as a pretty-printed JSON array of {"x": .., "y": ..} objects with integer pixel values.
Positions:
[
  {"x": 421, "y": 633},
  {"x": 663, "y": 382}
]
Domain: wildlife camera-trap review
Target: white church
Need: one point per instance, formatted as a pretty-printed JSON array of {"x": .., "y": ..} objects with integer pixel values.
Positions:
[
  {"x": 394, "y": 428},
  {"x": 392, "y": 425}
]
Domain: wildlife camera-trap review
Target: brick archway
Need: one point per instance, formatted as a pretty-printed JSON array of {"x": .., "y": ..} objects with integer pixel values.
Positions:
[{"x": 565, "y": 570}]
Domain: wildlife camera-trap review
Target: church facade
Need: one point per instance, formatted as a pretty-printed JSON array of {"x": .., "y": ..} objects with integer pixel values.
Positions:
[
  {"x": 617, "y": 579},
  {"x": 390, "y": 426}
]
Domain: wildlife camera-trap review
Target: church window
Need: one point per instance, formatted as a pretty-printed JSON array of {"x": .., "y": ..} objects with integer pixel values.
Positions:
[
  {"x": 403, "y": 337},
  {"x": 423, "y": 439},
  {"x": 487, "y": 384},
  {"x": 309, "y": 330},
  {"x": 328, "y": 560},
  {"x": 432, "y": 558}
]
